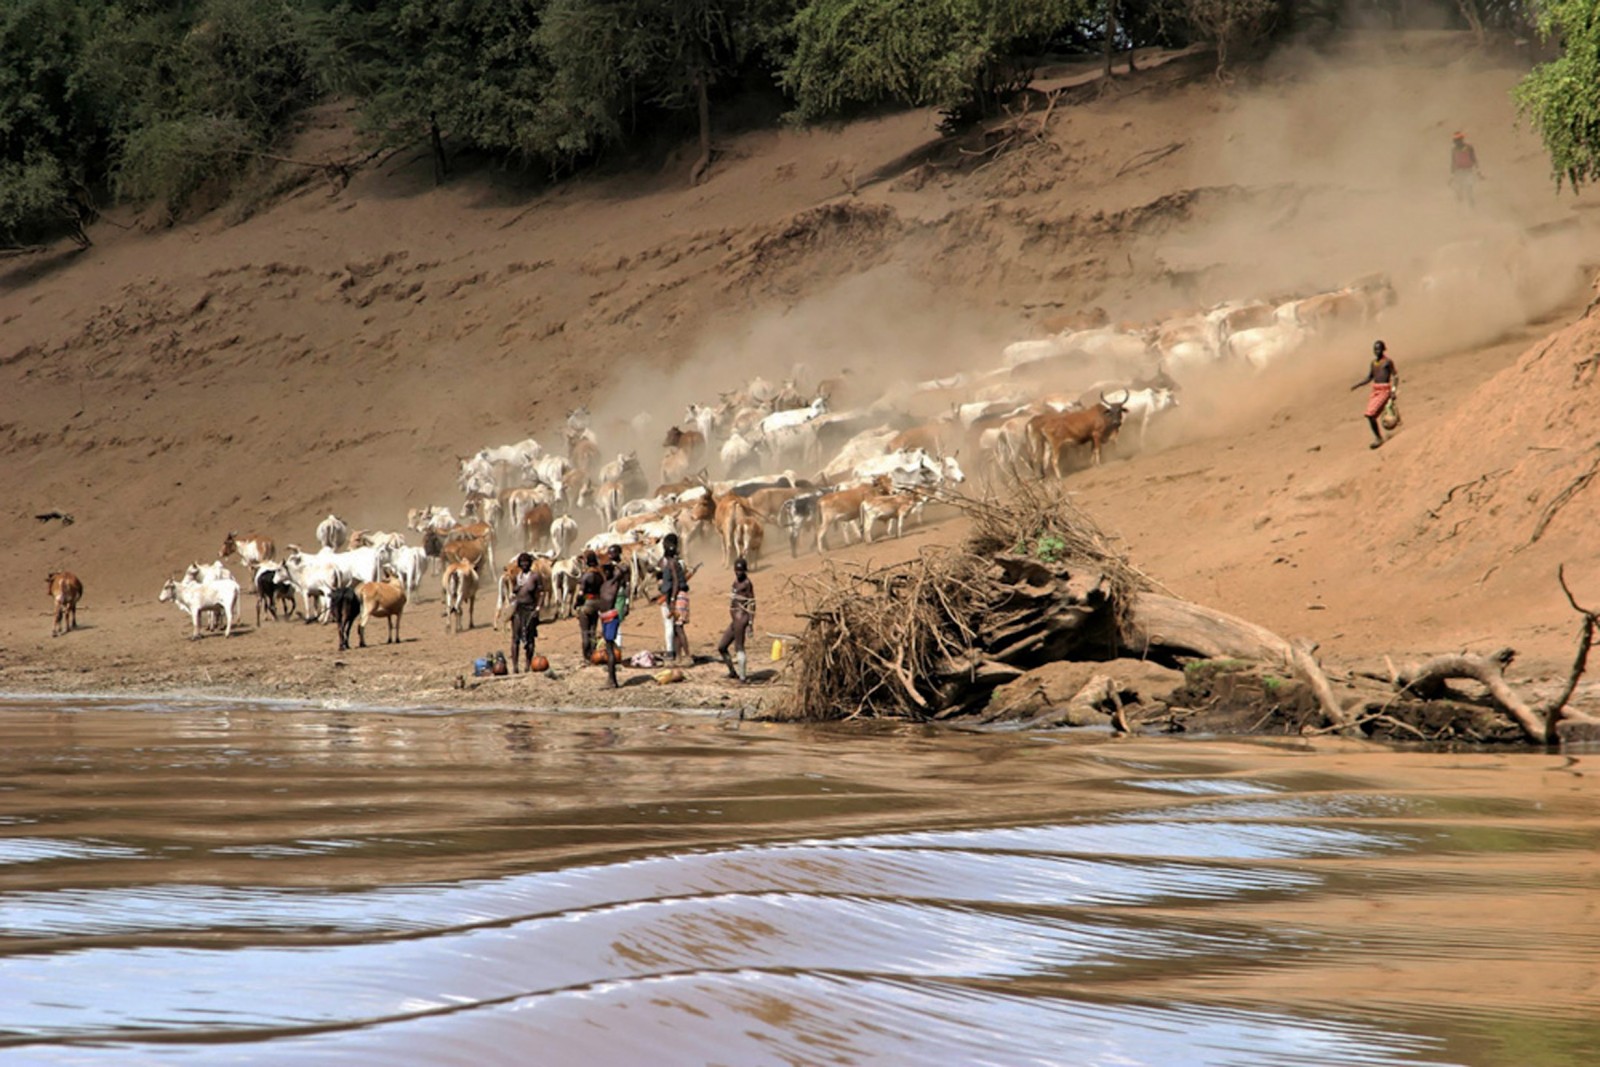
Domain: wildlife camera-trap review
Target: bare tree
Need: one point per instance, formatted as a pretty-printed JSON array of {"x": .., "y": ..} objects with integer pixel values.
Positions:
[{"x": 1231, "y": 24}]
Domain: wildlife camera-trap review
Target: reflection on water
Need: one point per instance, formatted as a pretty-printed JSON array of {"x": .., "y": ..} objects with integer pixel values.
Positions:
[{"x": 261, "y": 885}]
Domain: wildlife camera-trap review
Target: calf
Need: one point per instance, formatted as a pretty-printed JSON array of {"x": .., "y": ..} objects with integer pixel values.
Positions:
[
  {"x": 344, "y": 604},
  {"x": 460, "y": 591},
  {"x": 272, "y": 587},
  {"x": 843, "y": 507},
  {"x": 795, "y": 514},
  {"x": 66, "y": 590},
  {"x": 892, "y": 509},
  {"x": 748, "y": 533},
  {"x": 381, "y": 600},
  {"x": 730, "y": 513}
]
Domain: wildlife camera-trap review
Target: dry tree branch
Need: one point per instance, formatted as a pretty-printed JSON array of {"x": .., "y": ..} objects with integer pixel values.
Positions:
[
  {"x": 1538, "y": 721},
  {"x": 1560, "y": 500},
  {"x": 1149, "y": 156}
]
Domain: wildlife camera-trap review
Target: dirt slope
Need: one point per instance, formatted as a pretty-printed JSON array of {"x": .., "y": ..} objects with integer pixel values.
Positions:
[{"x": 335, "y": 350}]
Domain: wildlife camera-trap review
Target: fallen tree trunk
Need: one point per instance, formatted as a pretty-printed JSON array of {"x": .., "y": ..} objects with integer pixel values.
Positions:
[
  {"x": 1168, "y": 628},
  {"x": 1036, "y": 583}
]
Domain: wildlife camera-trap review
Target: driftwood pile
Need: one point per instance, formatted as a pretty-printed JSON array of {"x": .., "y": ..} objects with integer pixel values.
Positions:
[{"x": 1037, "y": 582}]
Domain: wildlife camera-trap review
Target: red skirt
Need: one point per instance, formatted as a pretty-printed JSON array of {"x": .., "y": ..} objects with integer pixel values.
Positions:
[{"x": 1380, "y": 397}]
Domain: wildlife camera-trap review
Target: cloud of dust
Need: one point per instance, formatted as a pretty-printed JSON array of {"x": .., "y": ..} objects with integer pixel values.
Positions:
[
  {"x": 871, "y": 333},
  {"x": 1335, "y": 166}
]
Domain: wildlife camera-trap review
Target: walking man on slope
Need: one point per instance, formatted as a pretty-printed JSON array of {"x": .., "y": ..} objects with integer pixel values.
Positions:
[{"x": 1384, "y": 379}]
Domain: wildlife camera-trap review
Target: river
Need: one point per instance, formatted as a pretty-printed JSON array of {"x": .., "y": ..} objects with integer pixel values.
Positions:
[{"x": 192, "y": 882}]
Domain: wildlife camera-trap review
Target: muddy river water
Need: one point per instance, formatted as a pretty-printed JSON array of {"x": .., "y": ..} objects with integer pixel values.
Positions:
[{"x": 223, "y": 883}]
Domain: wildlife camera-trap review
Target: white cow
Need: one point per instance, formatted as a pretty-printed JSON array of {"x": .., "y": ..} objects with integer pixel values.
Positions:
[
  {"x": 192, "y": 598},
  {"x": 407, "y": 561},
  {"x": 564, "y": 575},
  {"x": 1145, "y": 404},
  {"x": 563, "y": 535},
  {"x": 551, "y": 471},
  {"x": 911, "y": 468},
  {"x": 1265, "y": 345},
  {"x": 794, "y": 417},
  {"x": 333, "y": 533},
  {"x": 868, "y": 444},
  {"x": 321, "y": 574}
]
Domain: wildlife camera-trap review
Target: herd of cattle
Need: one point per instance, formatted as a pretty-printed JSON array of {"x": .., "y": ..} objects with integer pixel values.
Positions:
[{"x": 1037, "y": 414}]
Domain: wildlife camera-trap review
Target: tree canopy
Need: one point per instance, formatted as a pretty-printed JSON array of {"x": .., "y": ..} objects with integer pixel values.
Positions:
[
  {"x": 1562, "y": 97},
  {"x": 154, "y": 100}
]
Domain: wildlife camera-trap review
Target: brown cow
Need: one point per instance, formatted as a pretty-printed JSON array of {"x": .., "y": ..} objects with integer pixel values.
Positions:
[
  {"x": 934, "y": 438},
  {"x": 382, "y": 600},
  {"x": 767, "y": 502},
  {"x": 734, "y": 520},
  {"x": 536, "y": 522},
  {"x": 577, "y": 488},
  {"x": 697, "y": 518},
  {"x": 747, "y": 535},
  {"x": 470, "y": 531},
  {"x": 66, "y": 590},
  {"x": 583, "y": 454},
  {"x": 844, "y": 507},
  {"x": 1091, "y": 319},
  {"x": 1049, "y": 434},
  {"x": 253, "y": 550},
  {"x": 691, "y": 442},
  {"x": 893, "y": 509},
  {"x": 1343, "y": 308},
  {"x": 675, "y": 464},
  {"x": 475, "y": 551}
]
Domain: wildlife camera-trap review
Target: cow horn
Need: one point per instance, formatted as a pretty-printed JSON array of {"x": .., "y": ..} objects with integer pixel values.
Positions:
[{"x": 1124, "y": 400}]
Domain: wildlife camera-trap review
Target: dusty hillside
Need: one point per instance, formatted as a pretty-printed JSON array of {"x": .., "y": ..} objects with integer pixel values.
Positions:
[{"x": 336, "y": 349}]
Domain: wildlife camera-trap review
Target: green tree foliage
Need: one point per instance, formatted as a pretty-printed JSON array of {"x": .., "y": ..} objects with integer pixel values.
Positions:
[
  {"x": 1562, "y": 97},
  {"x": 469, "y": 67},
  {"x": 47, "y": 126},
  {"x": 951, "y": 54},
  {"x": 616, "y": 63},
  {"x": 153, "y": 98}
]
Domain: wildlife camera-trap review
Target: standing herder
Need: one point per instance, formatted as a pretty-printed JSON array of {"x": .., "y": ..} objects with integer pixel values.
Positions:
[
  {"x": 741, "y": 616},
  {"x": 1385, "y": 381},
  {"x": 674, "y": 588},
  {"x": 1464, "y": 173},
  {"x": 612, "y": 603},
  {"x": 526, "y": 593},
  {"x": 587, "y": 607}
]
